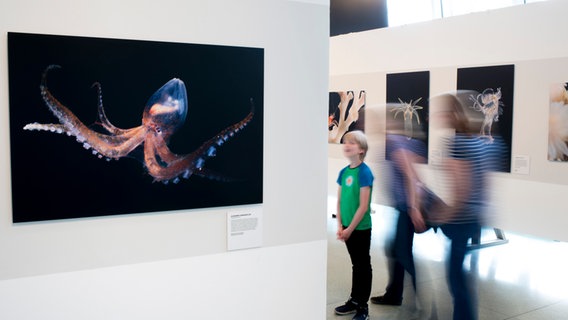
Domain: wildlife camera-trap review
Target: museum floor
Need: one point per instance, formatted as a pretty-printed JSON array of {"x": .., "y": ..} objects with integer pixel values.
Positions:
[{"x": 524, "y": 279}]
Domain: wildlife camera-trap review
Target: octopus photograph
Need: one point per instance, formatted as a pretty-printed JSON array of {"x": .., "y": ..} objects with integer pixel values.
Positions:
[{"x": 104, "y": 127}]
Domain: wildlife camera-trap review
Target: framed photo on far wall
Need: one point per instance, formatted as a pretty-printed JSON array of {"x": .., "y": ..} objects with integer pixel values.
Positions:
[
  {"x": 408, "y": 105},
  {"x": 558, "y": 123},
  {"x": 346, "y": 113},
  {"x": 487, "y": 93},
  {"x": 109, "y": 126}
]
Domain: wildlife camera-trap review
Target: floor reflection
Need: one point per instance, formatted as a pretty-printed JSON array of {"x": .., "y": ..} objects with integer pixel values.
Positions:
[{"x": 524, "y": 279}]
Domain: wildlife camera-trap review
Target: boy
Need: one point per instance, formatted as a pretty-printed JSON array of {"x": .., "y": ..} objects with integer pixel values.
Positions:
[{"x": 354, "y": 222}]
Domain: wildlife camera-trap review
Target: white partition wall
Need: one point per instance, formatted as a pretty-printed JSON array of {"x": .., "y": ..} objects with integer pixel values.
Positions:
[
  {"x": 526, "y": 36},
  {"x": 175, "y": 265}
]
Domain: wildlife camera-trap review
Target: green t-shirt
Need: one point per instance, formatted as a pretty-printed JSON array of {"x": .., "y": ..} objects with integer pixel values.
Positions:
[{"x": 351, "y": 181}]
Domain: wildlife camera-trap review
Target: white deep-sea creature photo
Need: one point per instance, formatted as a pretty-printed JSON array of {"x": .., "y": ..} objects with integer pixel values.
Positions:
[
  {"x": 489, "y": 103},
  {"x": 558, "y": 124},
  {"x": 409, "y": 113}
]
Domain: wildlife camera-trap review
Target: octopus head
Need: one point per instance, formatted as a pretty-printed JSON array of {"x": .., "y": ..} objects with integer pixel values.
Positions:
[{"x": 166, "y": 109}]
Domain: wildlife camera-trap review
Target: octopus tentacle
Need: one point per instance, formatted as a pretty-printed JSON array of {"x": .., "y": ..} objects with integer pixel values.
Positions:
[
  {"x": 57, "y": 128},
  {"x": 110, "y": 146},
  {"x": 164, "y": 165},
  {"x": 209, "y": 148},
  {"x": 104, "y": 122}
]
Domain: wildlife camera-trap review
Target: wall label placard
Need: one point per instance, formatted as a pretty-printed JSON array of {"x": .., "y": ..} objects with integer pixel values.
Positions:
[
  {"x": 521, "y": 164},
  {"x": 244, "y": 228}
]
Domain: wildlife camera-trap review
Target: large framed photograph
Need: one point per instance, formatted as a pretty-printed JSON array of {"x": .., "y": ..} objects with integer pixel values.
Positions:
[{"x": 110, "y": 126}]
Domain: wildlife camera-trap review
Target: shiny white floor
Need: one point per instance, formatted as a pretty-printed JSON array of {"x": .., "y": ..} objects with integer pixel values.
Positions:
[{"x": 525, "y": 279}]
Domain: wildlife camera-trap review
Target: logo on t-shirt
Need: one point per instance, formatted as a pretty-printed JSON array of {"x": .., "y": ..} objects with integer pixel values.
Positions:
[{"x": 349, "y": 181}]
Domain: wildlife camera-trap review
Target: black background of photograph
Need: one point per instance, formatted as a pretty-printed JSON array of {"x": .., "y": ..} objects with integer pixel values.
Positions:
[{"x": 54, "y": 177}]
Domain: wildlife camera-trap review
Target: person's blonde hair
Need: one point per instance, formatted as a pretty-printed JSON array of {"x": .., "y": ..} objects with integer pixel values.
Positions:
[{"x": 360, "y": 139}]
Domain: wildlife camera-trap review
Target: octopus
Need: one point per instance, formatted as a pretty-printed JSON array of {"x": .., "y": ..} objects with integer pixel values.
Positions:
[
  {"x": 489, "y": 104},
  {"x": 409, "y": 111},
  {"x": 164, "y": 113}
]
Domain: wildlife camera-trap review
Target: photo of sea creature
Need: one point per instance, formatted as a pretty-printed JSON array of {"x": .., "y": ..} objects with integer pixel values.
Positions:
[
  {"x": 488, "y": 93},
  {"x": 115, "y": 126},
  {"x": 346, "y": 113},
  {"x": 558, "y": 123}
]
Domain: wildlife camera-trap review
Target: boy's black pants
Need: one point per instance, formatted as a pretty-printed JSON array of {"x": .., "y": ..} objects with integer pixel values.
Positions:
[{"x": 359, "y": 246}]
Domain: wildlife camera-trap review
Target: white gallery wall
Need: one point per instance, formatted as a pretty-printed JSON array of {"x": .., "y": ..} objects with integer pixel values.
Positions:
[
  {"x": 175, "y": 265},
  {"x": 528, "y": 36}
]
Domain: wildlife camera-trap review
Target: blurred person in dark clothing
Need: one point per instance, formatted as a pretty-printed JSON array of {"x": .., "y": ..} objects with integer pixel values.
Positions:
[{"x": 404, "y": 149}]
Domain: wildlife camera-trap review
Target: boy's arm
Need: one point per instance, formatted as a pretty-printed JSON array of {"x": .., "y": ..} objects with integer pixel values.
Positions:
[
  {"x": 338, "y": 214},
  {"x": 364, "y": 196}
]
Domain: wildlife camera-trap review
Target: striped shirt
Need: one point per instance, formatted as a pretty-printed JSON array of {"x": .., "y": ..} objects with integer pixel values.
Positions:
[{"x": 473, "y": 150}]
